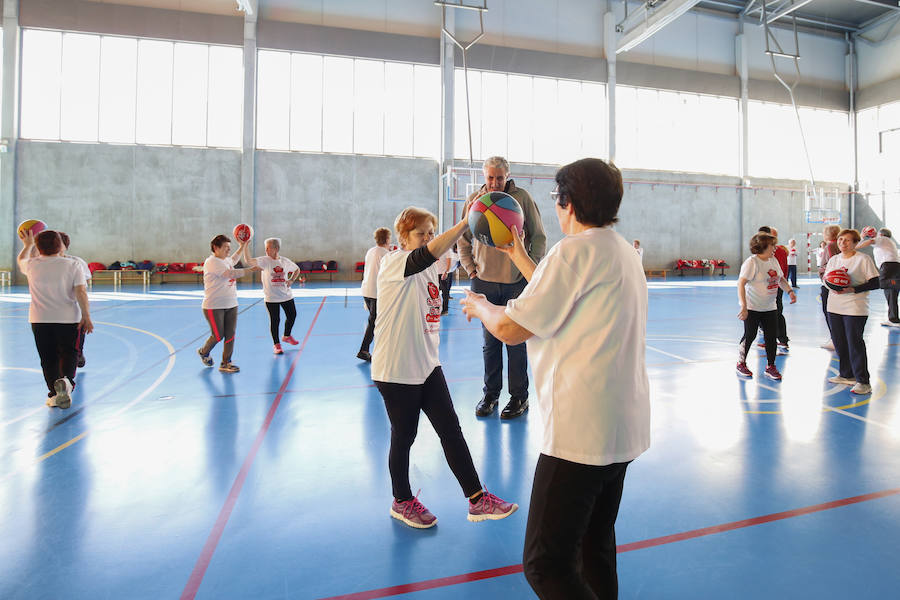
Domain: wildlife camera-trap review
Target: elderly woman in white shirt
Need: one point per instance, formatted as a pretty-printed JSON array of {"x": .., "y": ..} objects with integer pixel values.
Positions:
[
  {"x": 583, "y": 316},
  {"x": 887, "y": 259}
]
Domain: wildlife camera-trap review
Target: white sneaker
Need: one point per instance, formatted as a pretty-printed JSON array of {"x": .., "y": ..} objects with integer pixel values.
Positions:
[
  {"x": 889, "y": 324},
  {"x": 841, "y": 380},
  {"x": 781, "y": 350},
  {"x": 51, "y": 401},
  {"x": 829, "y": 345},
  {"x": 63, "y": 388},
  {"x": 861, "y": 388}
]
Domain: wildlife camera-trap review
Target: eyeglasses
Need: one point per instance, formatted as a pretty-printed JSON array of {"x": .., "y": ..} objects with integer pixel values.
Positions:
[{"x": 556, "y": 196}]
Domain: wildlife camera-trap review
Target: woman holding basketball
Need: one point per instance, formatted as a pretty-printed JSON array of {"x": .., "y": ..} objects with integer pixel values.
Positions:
[
  {"x": 583, "y": 316},
  {"x": 220, "y": 300},
  {"x": 407, "y": 371},
  {"x": 848, "y": 311},
  {"x": 278, "y": 273}
]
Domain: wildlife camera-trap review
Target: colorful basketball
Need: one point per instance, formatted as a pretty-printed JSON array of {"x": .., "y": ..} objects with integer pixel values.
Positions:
[
  {"x": 492, "y": 215},
  {"x": 837, "y": 279},
  {"x": 869, "y": 232},
  {"x": 242, "y": 232},
  {"x": 36, "y": 226}
]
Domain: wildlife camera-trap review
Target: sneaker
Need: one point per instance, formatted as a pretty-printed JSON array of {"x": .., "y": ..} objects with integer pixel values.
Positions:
[
  {"x": 413, "y": 513},
  {"x": 743, "y": 371},
  {"x": 772, "y": 373},
  {"x": 81, "y": 361},
  {"x": 289, "y": 339},
  {"x": 829, "y": 345},
  {"x": 51, "y": 401},
  {"x": 63, "y": 389},
  {"x": 277, "y": 349},
  {"x": 363, "y": 355},
  {"x": 229, "y": 368},
  {"x": 890, "y": 324},
  {"x": 490, "y": 507},
  {"x": 206, "y": 358},
  {"x": 861, "y": 388},
  {"x": 782, "y": 349},
  {"x": 842, "y": 380}
]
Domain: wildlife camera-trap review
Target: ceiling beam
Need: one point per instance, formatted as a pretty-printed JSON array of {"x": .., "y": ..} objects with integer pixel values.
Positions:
[
  {"x": 648, "y": 19},
  {"x": 888, "y": 4},
  {"x": 787, "y": 10}
]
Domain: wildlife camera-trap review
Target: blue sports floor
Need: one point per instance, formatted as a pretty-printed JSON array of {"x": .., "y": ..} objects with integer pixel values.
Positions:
[{"x": 167, "y": 479}]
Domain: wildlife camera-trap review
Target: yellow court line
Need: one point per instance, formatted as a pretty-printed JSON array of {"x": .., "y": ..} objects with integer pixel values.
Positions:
[{"x": 152, "y": 387}]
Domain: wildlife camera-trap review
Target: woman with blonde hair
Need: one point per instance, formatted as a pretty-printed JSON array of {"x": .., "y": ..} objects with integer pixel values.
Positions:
[{"x": 407, "y": 371}]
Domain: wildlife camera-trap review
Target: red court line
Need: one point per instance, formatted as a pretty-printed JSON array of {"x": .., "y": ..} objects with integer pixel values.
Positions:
[
  {"x": 430, "y": 584},
  {"x": 193, "y": 584}
]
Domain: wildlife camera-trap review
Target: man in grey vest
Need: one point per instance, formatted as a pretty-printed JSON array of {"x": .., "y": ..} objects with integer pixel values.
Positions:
[{"x": 494, "y": 275}]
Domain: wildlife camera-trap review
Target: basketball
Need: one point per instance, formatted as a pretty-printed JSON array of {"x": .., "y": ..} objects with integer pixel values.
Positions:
[
  {"x": 242, "y": 232},
  {"x": 491, "y": 217},
  {"x": 36, "y": 226},
  {"x": 869, "y": 232},
  {"x": 837, "y": 279}
]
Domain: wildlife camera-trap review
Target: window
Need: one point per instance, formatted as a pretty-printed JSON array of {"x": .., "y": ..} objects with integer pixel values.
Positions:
[
  {"x": 318, "y": 103},
  {"x": 878, "y": 135},
  {"x": 677, "y": 131},
  {"x": 529, "y": 119},
  {"x": 89, "y": 88}
]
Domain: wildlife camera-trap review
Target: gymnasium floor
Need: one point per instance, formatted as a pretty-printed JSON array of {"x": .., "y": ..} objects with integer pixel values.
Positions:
[{"x": 166, "y": 479}]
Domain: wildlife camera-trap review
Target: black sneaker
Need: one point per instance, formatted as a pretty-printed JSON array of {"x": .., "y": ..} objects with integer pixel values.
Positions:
[
  {"x": 81, "y": 361},
  {"x": 206, "y": 358},
  {"x": 514, "y": 408},
  {"x": 486, "y": 406},
  {"x": 363, "y": 355}
]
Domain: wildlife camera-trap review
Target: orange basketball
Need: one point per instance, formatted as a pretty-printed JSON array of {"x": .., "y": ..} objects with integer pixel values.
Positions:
[{"x": 242, "y": 232}]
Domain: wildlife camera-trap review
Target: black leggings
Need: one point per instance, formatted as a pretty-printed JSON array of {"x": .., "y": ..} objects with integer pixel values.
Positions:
[
  {"x": 290, "y": 315},
  {"x": 404, "y": 403},
  {"x": 768, "y": 320},
  {"x": 56, "y": 345},
  {"x": 369, "y": 335}
]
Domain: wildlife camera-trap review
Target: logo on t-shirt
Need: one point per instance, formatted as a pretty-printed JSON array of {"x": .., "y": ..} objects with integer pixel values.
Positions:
[
  {"x": 278, "y": 274},
  {"x": 772, "y": 281},
  {"x": 434, "y": 307}
]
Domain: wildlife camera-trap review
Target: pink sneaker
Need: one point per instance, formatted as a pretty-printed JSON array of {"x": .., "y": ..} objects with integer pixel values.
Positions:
[
  {"x": 289, "y": 339},
  {"x": 413, "y": 513},
  {"x": 743, "y": 371},
  {"x": 490, "y": 507},
  {"x": 277, "y": 349},
  {"x": 772, "y": 373}
]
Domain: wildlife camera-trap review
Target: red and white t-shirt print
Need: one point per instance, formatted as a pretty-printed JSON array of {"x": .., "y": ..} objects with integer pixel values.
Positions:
[
  {"x": 772, "y": 280},
  {"x": 433, "y": 304}
]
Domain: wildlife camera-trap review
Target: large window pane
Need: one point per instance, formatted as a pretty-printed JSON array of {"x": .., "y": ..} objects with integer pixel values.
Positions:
[
  {"x": 154, "y": 92},
  {"x": 427, "y": 124},
  {"x": 273, "y": 100},
  {"x": 41, "y": 80},
  {"x": 570, "y": 117},
  {"x": 467, "y": 120},
  {"x": 337, "y": 121},
  {"x": 368, "y": 109},
  {"x": 520, "y": 108},
  {"x": 118, "y": 78},
  {"x": 593, "y": 128},
  {"x": 493, "y": 114},
  {"x": 398, "y": 106},
  {"x": 226, "y": 97},
  {"x": 80, "y": 87},
  {"x": 547, "y": 148},
  {"x": 190, "y": 78},
  {"x": 306, "y": 102}
]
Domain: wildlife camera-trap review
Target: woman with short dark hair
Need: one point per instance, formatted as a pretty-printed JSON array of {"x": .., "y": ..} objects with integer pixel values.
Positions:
[
  {"x": 369, "y": 288},
  {"x": 584, "y": 318}
]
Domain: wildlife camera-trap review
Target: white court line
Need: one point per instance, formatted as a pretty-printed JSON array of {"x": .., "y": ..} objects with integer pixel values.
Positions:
[
  {"x": 681, "y": 358},
  {"x": 859, "y": 418}
]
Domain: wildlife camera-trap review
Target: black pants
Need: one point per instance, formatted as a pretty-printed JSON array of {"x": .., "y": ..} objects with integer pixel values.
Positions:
[
  {"x": 492, "y": 350},
  {"x": 290, "y": 315},
  {"x": 889, "y": 273},
  {"x": 222, "y": 325},
  {"x": 80, "y": 342},
  {"x": 824, "y": 296},
  {"x": 404, "y": 403},
  {"x": 891, "y": 296},
  {"x": 792, "y": 275},
  {"x": 57, "y": 347},
  {"x": 847, "y": 336},
  {"x": 445, "y": 292},
  {"x": 570, "y": 539},
  {"x": 369, "y": 335},
  {"x": 768, "y": 322}
]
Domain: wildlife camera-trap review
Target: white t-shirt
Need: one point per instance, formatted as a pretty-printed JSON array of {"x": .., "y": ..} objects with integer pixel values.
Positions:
[
  {"x": 219, "y": 276},
  {"x": 83, "y": 264},
  {"x": 52, "y": 281},
  {"x": 370, "y": 272},
  {"x": 275, "y": 273},
  {"x": 861, "y": 269},
  {"x": 762, "y": 282},
  {"x": 820, "y": 256},
  {"x": 792, "y": 256},
  {"x": 884, "y": 250},
  {"x": 640, "y": 252},
  {"x": 408, "y": 324},
  {"x": 586, "y": 305}
]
